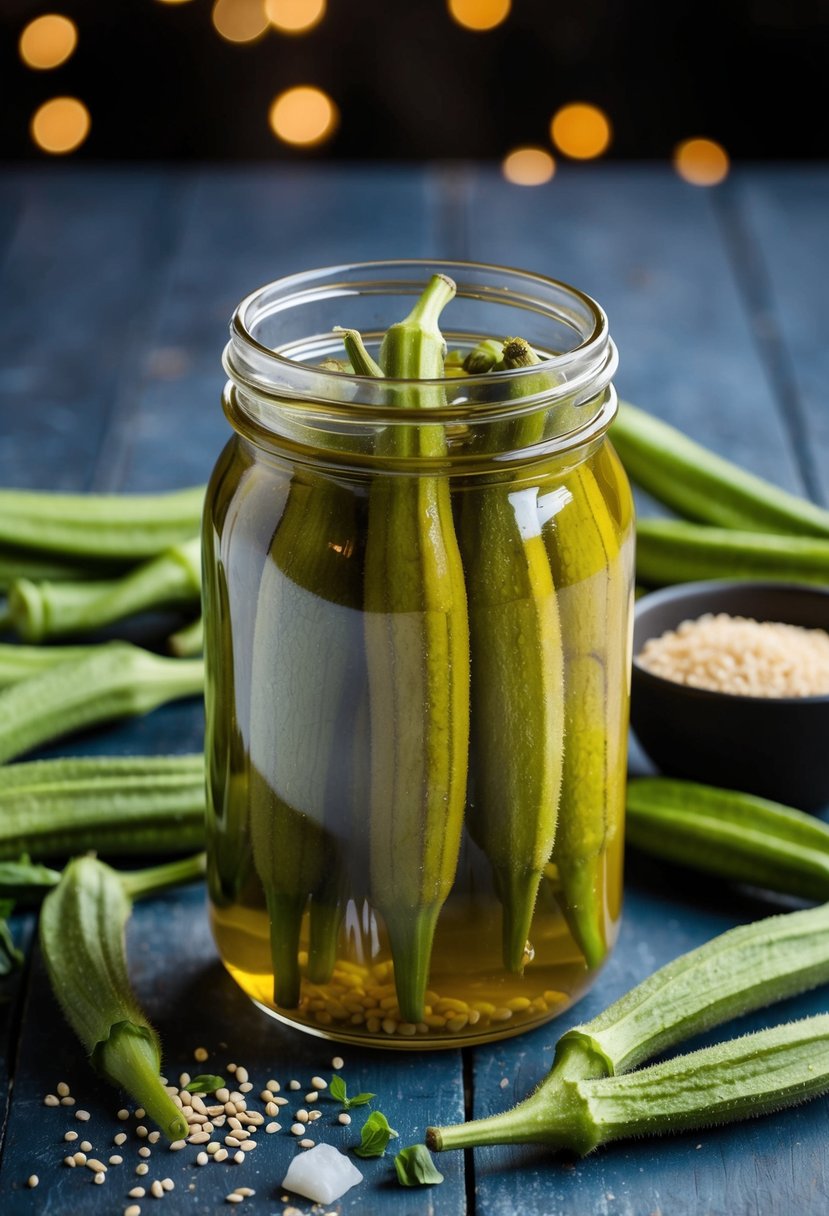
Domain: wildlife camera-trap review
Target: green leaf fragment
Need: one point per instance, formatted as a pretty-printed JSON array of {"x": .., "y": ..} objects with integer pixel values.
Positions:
[
  {"x": 415, "y": 1167},
  {"x": 375, "y": 1135},
  {"x": 339, "y": 1092},
  {"x": 205, "y": 1083},
  {"x": 10, "y": 956}
]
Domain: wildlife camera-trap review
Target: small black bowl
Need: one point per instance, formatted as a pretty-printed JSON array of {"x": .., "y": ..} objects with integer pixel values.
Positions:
[{"x": 775, "y": 747}]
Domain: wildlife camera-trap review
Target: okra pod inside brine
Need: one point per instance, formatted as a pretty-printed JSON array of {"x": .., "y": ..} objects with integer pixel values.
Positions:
[
  {"x": 517, "y": 684},
  {"x": 417, "y": 649}
]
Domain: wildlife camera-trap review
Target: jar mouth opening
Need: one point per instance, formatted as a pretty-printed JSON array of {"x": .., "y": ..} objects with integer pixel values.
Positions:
[{"x": 281, "y": 332}]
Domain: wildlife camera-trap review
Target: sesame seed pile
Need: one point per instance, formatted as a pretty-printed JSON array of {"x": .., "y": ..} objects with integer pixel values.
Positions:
[
  {"x": 222, "y": 1128},
  {"x": 735, "y": 654}
]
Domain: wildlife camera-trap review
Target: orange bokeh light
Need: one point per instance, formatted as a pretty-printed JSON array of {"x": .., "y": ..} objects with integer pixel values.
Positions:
[
  {"x": 528, "y": 166},
  {"x": 702, "y": 162},
  {"x": 581, "y": 130},
  {"x": 240, "y": 20},
  {"x": 295, "y": 16},
  {"x": 304, "y": 116},
  {"x": 60, "y": 125},
  {"x": 479, "y": 14},
  {"x": 48, "y": 41}
]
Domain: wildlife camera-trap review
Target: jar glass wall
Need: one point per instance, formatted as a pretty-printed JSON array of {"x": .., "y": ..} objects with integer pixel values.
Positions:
[{"x": 416, "y": 761}]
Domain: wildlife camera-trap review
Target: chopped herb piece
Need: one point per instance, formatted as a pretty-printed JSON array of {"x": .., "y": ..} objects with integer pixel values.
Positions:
[
  {"x": 415, "y": 1167},
  {"x": 205, "y": 1083},
  {"x": 375, "y": 1135},
  {"x": 339, "y": 1092}
]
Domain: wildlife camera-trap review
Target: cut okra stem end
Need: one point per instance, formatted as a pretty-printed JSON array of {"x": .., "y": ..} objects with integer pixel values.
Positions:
[{"x": 129, "y": 1058}]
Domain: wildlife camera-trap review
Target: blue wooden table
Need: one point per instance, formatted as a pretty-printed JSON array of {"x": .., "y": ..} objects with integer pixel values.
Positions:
[{"x": 116, "y": 290}]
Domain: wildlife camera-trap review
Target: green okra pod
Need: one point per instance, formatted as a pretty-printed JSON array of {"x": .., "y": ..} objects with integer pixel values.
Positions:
[
  {"x": 19, "y": 662},
  {"x": 117, "y": 680},
  {"x": 46, "y": 610},
  {"x": 517, "y": 684},
  {"x": 121, "y": 527},
  {"x": 739, "y": 836},
  {"x": 23, "y": 563},
  {"x": 187, "y": 641},
  {"x": 82, "y": 928},
  {"x": 744, "y": 969},
  {"x": 113, "y": 804},
  {"x": 417, "y": 647},
  {"x": 673, "y": 551},
  {"x": 705, "y": 487}
]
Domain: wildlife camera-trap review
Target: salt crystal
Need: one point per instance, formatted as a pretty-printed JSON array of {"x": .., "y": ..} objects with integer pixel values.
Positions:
[{"x": 322, "y": 1174}]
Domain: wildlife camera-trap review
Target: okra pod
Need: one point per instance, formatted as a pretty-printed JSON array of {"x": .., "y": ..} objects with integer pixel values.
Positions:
[
  {"x": 19, "y": 662},
  {"x": 82, "y": 927},
  {"x": 113, "y": 804},
  {"x": 23, "y": 563},
  {"x": 517, "y": 685},
  {"x": 673, "y": 551},
  {"x": 742, "y": 970},
  {"x": 125, "y": 527},
  {"x": 117, "y": 680},
  {"x": 738, "y": 836},
  {"x": 705, "y": 487},
  {"x": 47, "y": 610},
  {"x": 187, "y": 641},
  {"x": 417, "y": 646}
]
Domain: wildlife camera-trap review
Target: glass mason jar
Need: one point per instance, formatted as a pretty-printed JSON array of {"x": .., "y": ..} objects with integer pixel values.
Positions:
[{"x": 417, "y": 645}]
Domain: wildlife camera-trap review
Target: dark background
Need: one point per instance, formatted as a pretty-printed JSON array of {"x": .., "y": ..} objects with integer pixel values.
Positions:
[{"x": 409, "y": 82}]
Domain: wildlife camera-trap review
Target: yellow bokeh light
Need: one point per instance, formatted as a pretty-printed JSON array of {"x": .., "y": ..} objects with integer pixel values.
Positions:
[
  {"x": 702, "y": 162},
  {"x": 60, "y": 125},
  {"x": 528, "y": 166},
  {"x": 479, "y": 14},
  {"x": 295, "y": 16},
  {"x": 48, "y": 41},
  {"x": 304, "y": 115},
  {"x": 581, "y": 130},
  {"x": 240, "y": 20},
  {"x": 173, "y": 1}
]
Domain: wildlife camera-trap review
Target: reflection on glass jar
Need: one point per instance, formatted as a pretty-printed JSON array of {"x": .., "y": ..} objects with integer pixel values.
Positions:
[{"x": 418, "y": 664}]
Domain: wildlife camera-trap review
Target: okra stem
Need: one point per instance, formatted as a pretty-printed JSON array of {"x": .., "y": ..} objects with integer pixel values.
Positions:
[
  {"x": 140, "y": 883},
  {"x": 46, "y": 610},
  {"x": 125, "y": 527},
  {"x": 673, "y": 551},
  {"x": 705, "y": 487},
  {"x": 187, "y": 641},
  {"x": 117, "y": 680}
]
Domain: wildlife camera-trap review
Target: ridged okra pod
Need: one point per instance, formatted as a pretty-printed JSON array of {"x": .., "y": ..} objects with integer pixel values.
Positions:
[
  {"x": 584, "y": 543},
  {"x": 306, "y": 655},
  {"x": 417, "y": 646},
  {"x": 41, "y": 610},
  {"x": 742, "y": 970},
  {"x": 673, "y": 551},
  {"x": 517, "y": 685}
]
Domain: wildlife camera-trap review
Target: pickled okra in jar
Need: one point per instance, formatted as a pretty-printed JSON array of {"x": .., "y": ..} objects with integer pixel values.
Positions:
[{"x": 418, "y": 578}]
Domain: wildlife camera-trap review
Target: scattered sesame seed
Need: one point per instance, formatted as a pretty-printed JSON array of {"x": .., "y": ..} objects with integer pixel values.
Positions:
[
  {"x": 157, "y": 1190},
  {"x": 213, "y": 1146},
  {"x": 142, "y": 1131},
  {"x": 306, "y": 1144},
  {"x": 247, "y": 1146},
  {"x": 86, "y": 1146},
  {"x": 270, "y": 1128},
  {"x": 302, "y": 1115},
  {"x": 144, "y": 1151},
  {"x": 241, "y": 1075},
  {"x": 273, "y": 1086},
  {"x": 222, "y": 1095},
  {"x": 99, "y": 1178},
  {"x": 70, "y": 1161},
  {"x": 51, "y": 1100},
  {"x": 232, "y": 1067},
  {"x": 344, "y": 1118},
  {"x": 116, "y": 1159},
  {"x": 142, "y": 1169},
  {"x": 232, "y": 1141},
  {"x": 70, "y": 1135},
  {"x": 137, "y": 1192},
  {"x": 83, "y": 1115},
  {"x": 246, "y": 1087},
  {"x": 92, "y": 1163},
  {"x": 62, "y": 1088},
  {"x": 184, "y": 1079},
  {"x": 281, "y": 1101},
  {"x": 314, "y": 1115},
  {"x": 67, "y": 1101},
  {"x": 123, "y": 1114},
  {"x": 271, "y": 1108},
  {"x": 221, "y": 1155},
  {"x": 202, "y": 1159},
  {"x": 120, "y": 1138},
  {"x": 338, "y": 1063},
  {"x": 245, "y": 1191},
  {"x": 177, "y": 1145},
  {"x": 294, "y": 1085},
  {"x": 266, "y": 1095},
  {"x": 298, "y": 1129},
  {"x": 504, "y": 1082},
  {"x": 312, "y": 1096},
  {"x": 234, "y": 1198},
  {"x": 140, "y": 1112},
  {"x": 154, "y": 1137},
  {"x": 318, "y": 1083},
  {"x": 133, "y": 1210},
  {"x": 33, "y": 1181},
  {"x": 239, "y": 1157},
  {"x": 80, "y": 1158},
  {"x": 200, "y": 1055},
  {"x": 168, "y": 1184},
  {"x": 199, "y": 1138}
]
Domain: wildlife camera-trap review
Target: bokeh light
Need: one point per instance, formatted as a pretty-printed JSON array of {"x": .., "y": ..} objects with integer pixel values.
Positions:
[
  {"x": 48, "y": 41},
  {"x": 240, "y": 20},
  {"x": 528, "y": 166},
  {"x": 295, "y": 16},
  {"x": 173, "y": 1},
  {"x": 702, "y": 162},
  {"x": 581, "y": 130},
  {"x": 479, "y": 14},
  {"x": 303, "y": 115},
  {"x": 60, "y": 125}
]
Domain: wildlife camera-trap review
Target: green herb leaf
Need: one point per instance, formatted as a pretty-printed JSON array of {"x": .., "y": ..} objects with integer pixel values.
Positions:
[
  {"x": 415, "y": 1167},
  {"x": 339, "y": 1092},
  {"x": 375, "y": 1135},
  {"x": 205, "y": 1083},
  {"x": 25, "y": 878},
  {"x": 10, "y": 956}
]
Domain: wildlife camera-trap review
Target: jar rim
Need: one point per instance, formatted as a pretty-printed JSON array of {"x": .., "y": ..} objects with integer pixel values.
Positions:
[{"x": 271, "y": 375}]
